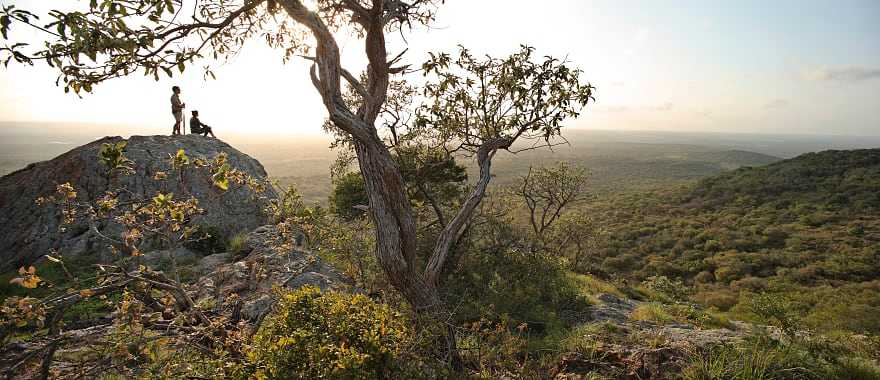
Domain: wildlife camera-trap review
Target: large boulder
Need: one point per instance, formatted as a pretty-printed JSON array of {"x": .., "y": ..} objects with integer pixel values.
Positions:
[{"x": 30, "y": 231}]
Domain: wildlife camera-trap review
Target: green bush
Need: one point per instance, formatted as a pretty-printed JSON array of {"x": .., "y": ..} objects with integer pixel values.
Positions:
[
  {"x": 776, "y": 310},
  {"x": 651, "y": 312},
  {"x": 314, "y": 335},
  {"x": 721, "y": 299},
  {"x": 348, "y": 191},
  {"x": 237, "y": 243},
  {"x": 763, "y": 358},
  {"x": 750, "y": 362},
  {"x": 663, "y": 289},
  {"x": 527, "y": 287}
]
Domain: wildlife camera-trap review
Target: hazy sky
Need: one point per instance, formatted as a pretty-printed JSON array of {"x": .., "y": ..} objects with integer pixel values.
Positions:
[{"x": 805, "y": 67}]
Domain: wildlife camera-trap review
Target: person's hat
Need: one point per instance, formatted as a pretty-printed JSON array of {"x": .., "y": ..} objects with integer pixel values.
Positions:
[{"x": 195, "y": 112}]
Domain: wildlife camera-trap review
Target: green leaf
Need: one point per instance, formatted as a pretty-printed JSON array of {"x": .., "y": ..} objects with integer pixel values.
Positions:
[{"x": 222, "y": 183}]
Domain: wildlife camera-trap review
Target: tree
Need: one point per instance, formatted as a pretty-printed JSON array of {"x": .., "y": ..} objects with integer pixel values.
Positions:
[
  {"x": 578, "y": 233},
  {"x": 433, "y": 178},
  {"x": 547, "y": 191},
  {"x": 472, "y": 106},
  {"x": 348, "y": 192}
]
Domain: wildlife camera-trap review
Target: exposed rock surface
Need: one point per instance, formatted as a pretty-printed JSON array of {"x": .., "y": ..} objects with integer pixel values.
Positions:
[
  {"x": 647, "y": 350},
  {"x": 30, "y": 231},
  {"x": 270, "y": 262}
]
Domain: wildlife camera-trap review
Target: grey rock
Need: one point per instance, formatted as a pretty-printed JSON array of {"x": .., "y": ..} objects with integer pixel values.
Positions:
[
  {"x": 211, "y": 262},
  {"x": 30, "y": 231},
  {"x": 157, "y": 259},
  {"x": 254, "y": 309},
  {"x": 273, "y": 262},
  {"x": 320, "y": 280},
  {"x": 612, "y": 308}
]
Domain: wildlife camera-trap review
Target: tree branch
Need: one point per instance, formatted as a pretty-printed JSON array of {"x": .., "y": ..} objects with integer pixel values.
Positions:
[{"x": 452, "y": 231}]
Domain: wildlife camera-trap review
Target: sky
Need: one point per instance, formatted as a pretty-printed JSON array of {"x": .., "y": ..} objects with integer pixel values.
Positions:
[{"x": 780, "y": 67}]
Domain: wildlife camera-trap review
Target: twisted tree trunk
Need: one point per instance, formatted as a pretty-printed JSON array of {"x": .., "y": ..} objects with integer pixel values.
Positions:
[{"x": 389, "y": 205}]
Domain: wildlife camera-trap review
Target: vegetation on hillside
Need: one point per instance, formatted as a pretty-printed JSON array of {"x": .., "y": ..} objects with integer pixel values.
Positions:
[
  {"x": 733, "y": 246},
  {"x": 806, "y": 229}
]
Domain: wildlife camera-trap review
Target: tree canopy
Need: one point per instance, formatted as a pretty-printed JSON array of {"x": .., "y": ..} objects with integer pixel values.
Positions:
[{"x": 470, "y": 105}]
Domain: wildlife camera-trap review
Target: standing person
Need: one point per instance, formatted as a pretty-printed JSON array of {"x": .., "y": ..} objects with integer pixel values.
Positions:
[
  {"x": 177, "y": 110},
  {"x": 197, "y": 127}
]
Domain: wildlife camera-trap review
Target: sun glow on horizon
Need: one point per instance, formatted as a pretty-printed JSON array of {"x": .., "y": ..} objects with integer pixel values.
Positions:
[{"x": 699, "y": 66}]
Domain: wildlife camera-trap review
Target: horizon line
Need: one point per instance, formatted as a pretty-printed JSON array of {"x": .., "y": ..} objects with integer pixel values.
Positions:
[{"x": 570, "y": 128}]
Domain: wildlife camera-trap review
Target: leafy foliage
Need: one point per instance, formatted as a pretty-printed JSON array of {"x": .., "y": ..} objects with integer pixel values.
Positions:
[
  {"x": 113, "y": 157},
  {"x": 348, "y": 192},
  {"x": 473, "y": 100},
  {"x": 313, "y": 335}
]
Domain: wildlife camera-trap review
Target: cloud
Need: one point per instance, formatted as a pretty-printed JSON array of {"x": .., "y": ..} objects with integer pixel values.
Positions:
[
  {"x": 775, "y": 104},
  {"x": 841, "y": 74}
]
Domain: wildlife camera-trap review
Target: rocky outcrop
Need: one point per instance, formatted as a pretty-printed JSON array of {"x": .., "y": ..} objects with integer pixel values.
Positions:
[
  {"x": 30, "y": 231},
  {"x": 271, "y": 262},
  {"x": 635, "y": 349}
]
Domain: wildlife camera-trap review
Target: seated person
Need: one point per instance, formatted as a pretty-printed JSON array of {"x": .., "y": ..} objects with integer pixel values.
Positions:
[{"x": 196, "y": 126}]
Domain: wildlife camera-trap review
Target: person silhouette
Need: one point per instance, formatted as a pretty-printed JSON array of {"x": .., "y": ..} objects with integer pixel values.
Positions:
[
  {"x": 196, "y": 126},
  {"x": 177, "y": 110}
]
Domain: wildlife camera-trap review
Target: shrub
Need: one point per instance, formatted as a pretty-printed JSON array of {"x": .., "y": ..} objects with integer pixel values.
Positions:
[
  {"x": 237, "y": 243},
  {"x": 776, "y": 310},
  {"x": 348, "y": 191},
  {"x": 750, "y": 361},
  {"x": 661, "y": 288},
  {"x": 493, "y": 350},
  {"x": 313, "y": 335},
  {"x": 651, "y": 312},
  {"x": 721, "y": 299},
  {"x": 688, "y": 313},
  {"x": 704, "y": 277},
  {"x": 593, "y": 285},
  {"x": 856, "y": 369},
  {"x": 528, "y": 287},
  {"x": 586, "y": 339},
  {"x": 750, "y": 284}
]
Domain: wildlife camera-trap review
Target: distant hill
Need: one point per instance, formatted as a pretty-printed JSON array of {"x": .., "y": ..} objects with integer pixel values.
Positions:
[
  {"x": 618, "y": 165},
  {"x": 806, "y": 227},
  {"x": 734, "y": 159},
  {"x": 830, "y": 179}
]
